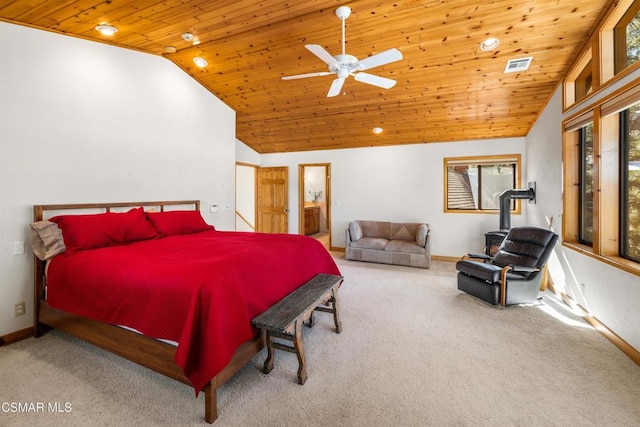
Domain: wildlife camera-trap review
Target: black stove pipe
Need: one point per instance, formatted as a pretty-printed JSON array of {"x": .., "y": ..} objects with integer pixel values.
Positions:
[{"x": 505, "y": 204}]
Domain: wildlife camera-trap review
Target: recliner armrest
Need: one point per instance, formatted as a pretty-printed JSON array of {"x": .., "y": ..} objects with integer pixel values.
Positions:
[
  {"x": 523, "y": 269},
  {"x": 479, "y": 256}
]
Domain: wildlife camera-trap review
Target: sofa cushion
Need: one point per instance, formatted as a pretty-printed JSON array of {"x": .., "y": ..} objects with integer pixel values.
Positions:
[
  {"x": 378, "y": 229},
  {"x": 375, "y": 243},
  {"x": 403, "y": 231},
  {"x": 403, "y": 246},
  {"x": 355, "y": 230}
]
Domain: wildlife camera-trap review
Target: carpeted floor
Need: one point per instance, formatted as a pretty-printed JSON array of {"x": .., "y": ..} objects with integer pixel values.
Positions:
[{"x": 414, "y": 351}]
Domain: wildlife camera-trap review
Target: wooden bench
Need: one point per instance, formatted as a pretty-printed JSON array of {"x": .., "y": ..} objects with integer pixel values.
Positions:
[{"x": 285, "y": 318}]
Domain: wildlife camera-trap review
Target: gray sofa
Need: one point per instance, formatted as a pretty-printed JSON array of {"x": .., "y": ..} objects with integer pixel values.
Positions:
[{"x": 388, "y": 243}]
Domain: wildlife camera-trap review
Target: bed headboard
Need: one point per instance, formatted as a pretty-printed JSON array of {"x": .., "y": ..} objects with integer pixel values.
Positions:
[{"x": 41, "y": 212}]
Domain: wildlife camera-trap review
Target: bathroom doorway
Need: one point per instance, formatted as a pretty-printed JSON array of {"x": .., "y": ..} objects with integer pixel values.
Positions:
[{"x": 315, "y": 202}]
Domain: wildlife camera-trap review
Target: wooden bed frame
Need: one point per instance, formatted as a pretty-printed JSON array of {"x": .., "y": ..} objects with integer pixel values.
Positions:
[{"x": 148, "y": 352}]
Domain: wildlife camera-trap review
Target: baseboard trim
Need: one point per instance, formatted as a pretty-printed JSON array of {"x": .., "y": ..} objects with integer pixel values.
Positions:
[
  {"x": 336, "y": 249},
  {"x": 446, "y": 258},
  {"x": 624, "y": 346},
  {"x": 16, "y": 336}
]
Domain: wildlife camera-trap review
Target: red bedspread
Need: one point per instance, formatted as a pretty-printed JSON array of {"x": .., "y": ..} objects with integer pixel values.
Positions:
[{"x": 201, "y": 290}]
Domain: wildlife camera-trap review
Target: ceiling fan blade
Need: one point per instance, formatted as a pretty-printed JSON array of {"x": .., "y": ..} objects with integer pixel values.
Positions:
[
  {"x": 336, "y": 87},
  {"x": 319, "y": 51},
  {"x": 379, "y": 59},
  {"x": 304, "y": 76},
  {"x": 382, "y": 82}
]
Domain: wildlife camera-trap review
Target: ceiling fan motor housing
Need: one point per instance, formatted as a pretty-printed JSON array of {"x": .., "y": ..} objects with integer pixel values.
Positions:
[{"x": 344, "y": 65}]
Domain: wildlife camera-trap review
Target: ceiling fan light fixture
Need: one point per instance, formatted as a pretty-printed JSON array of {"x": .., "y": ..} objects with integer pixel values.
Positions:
[
  {"x": 489, "y": 44},
  {"x": 106, "y": 29},
  {"x": 377, "y": 130},
  {"x": 200, "y": 62}
]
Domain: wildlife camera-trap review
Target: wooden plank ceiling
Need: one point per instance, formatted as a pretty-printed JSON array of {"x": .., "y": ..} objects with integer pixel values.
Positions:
[{"x": 448, "y": 89}]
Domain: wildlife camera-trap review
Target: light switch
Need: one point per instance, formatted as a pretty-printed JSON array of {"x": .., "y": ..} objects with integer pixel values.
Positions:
[
  {"x": 213, "y": 208},
  {"x": 18, "y": 248}
]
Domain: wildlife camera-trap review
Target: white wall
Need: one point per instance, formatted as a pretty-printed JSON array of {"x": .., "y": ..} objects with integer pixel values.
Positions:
[
  {"x": 88, "y": 122},
  {"x": 245, "y": 198},
  {"x": 399, "y": 183},
  {"x": 610, "y": 294},
  {"x": 246, "y": 154}
]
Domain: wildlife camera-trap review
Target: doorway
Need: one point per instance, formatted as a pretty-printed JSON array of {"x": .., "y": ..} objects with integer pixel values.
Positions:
[{"x": 315, "y": 201}]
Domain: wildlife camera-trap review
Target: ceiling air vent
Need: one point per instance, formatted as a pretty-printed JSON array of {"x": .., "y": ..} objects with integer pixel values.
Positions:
[{"x": 515, "y": 65}]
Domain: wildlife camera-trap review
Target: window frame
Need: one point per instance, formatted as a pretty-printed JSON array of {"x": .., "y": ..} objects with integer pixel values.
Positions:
[{"x": 483, "y": 160}]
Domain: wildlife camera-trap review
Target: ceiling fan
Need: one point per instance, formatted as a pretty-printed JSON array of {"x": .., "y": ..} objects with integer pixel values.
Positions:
[{"x": 344, "y": 65}]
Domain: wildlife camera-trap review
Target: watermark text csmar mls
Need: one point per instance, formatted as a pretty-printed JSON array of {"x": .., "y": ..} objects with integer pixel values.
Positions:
[{"x": 31, "y": 407}]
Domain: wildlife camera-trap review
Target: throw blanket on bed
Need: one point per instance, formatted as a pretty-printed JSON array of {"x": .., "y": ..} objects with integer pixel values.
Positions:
[{"x": 201, "y": 290}]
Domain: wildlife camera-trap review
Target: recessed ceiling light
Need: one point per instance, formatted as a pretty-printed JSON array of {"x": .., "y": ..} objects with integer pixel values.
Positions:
[
  {"x": 170, "y": 49},
  {"x": 200, "y": 62},
  {"x": 489, "y": 44},
  {"x": 187, "y": 37},
  {"x": 377, "y": 130},
  {"x": 106, "y": 29}
]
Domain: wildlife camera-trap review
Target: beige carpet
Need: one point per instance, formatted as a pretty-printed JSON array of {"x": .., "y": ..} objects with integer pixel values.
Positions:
[{"x": 414, "y": 351}]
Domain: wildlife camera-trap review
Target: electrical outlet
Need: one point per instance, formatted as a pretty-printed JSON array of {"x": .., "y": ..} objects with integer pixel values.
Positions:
[{"x": 19, "y": 309}]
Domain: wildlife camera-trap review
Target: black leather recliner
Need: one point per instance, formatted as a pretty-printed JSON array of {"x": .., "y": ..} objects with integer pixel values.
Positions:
[{"x": 513, "y": 274}]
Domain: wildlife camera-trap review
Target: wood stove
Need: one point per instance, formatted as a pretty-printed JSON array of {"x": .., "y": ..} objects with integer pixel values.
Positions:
[{"x": 493, "y": 240}]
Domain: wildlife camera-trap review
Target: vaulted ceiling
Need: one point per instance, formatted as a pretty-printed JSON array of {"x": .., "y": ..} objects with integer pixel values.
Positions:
[{"x": 448, "y": 89}]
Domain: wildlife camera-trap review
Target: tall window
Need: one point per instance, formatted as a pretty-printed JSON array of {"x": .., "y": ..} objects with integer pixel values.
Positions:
[
  {"x": 475, "y": 184},
  {"x": 586, "y": 184},
  {"x": 630, "y": 183}
]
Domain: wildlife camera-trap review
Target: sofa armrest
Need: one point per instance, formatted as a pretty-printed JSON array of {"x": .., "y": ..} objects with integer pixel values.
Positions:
[
  {"x": 355, "y": 230},
  {"x": 422, "y": 235}
]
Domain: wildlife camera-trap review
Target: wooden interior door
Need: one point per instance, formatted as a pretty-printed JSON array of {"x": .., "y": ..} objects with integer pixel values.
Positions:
[{"x": 272, "y": 200}]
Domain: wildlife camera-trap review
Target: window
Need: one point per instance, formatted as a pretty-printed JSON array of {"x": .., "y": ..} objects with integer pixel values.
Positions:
[
  {"x": 620, "y": 40},
  {"x": 584, "y": 82},
  {"x": 626, "y": 39},
  {"x": 474, "y": 184},
  {"x": 630, "y": 183},
  {"x": 586, "y": 184},
  {"x": 579, "y": 82}
]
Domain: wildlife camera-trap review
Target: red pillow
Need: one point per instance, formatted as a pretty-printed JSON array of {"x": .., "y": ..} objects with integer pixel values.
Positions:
[
  {"x": 107, "y": 229},
  {"x": 171, "y": 223}
]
